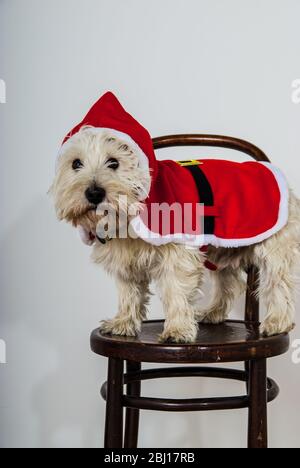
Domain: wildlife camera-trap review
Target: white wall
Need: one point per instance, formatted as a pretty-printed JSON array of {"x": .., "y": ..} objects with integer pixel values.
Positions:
[{"x": 179, "y": 66}]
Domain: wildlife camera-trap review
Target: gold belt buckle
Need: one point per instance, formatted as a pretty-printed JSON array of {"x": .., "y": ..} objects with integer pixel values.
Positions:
[{"x": 191, "y": 162}]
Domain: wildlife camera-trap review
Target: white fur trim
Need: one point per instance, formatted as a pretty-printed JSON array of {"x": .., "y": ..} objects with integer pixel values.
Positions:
[
  {"x": 143, "y": 159},
  {"x": 142, "y": 231}
]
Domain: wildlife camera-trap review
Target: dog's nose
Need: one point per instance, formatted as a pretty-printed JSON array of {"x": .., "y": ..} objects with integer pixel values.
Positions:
[{"x": 95, "y": 194}]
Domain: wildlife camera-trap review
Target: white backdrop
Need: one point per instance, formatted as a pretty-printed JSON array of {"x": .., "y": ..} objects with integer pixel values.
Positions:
[{"x": 178, "y": 66}]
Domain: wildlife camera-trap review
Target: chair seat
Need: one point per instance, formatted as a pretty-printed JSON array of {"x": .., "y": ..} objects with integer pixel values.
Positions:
[{"x": 232, "y": 341}]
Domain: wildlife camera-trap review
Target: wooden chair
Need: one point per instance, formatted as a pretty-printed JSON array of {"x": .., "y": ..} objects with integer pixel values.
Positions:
[{"x": 233, "y": 341}]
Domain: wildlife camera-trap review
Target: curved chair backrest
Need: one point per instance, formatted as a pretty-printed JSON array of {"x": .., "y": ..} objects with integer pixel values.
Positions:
[
  {"x": 168, "y": 141},
  {"x": 211, "y": 140}
]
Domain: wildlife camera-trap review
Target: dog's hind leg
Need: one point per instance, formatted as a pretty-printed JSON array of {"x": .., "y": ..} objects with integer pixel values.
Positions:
[
  {"x": 278, "y": 259},
  {"x": 277, "y": 290},
  {"x": 229, "y": 284}
]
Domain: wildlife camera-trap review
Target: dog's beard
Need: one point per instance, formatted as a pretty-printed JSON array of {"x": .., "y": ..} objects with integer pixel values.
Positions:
[
  {"x": 111, "y": 219},
  {"x": 86, "y": 218}
]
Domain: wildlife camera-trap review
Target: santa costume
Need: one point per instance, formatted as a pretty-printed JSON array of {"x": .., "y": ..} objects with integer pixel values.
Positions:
[{"x": 241, "y": 204}]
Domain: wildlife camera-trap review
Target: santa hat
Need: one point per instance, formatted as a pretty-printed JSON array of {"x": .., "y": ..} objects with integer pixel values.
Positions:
[{"x": 109, "y": 115}]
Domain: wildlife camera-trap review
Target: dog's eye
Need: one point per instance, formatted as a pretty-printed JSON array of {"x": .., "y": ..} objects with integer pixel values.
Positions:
[
  {"x": 77, "y": 164},
  {"x": 113, "y": 163}
]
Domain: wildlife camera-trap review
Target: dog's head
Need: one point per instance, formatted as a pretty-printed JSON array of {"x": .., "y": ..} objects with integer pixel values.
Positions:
[{"x": 96, "y": 168}]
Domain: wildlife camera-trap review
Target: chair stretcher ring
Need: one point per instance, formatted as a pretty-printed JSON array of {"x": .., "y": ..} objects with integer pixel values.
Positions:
[{"x": 194, "y": 404}]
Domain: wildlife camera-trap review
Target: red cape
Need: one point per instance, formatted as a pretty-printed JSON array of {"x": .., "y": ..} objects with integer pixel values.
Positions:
[{"x": 243, "y": 204}]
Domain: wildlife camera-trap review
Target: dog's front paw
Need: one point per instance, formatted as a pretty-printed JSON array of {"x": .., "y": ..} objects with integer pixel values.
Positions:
[
  {"x": 173, "y": 334},
  {"x": 119, "y": 327},
  {"x": 274, "y": 326}
]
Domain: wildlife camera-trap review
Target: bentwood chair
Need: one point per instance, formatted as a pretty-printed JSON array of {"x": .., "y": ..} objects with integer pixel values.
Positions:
[{"x": 233, "y": 341}]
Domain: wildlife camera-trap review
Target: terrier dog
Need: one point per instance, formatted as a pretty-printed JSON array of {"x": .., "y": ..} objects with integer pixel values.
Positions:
[{"x": 96, "y": 168}]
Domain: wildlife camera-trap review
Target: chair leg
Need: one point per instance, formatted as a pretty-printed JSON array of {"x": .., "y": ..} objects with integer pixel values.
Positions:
[
  {"x": 258, "y": 427},
  {"x": 114, "y": 407},
  {"x": 132, "y": 415},
  {"x": 247, "y": 370}
]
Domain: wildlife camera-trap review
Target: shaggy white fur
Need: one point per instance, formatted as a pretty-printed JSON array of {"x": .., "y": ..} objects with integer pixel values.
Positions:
[{"x": 178, "y": 271}]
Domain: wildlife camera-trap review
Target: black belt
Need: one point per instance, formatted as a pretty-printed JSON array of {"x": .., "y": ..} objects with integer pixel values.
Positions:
[{"x": 205, "y": 195}]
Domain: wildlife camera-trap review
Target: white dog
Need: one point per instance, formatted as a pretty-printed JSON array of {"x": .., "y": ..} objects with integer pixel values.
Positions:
[{"x": 99, "y": 164}]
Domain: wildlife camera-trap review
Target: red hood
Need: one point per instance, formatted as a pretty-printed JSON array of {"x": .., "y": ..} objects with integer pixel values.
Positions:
[{"x": 108, "y": 113}]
